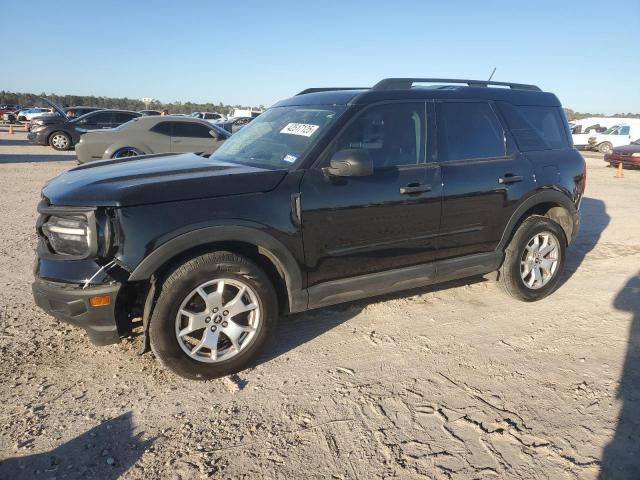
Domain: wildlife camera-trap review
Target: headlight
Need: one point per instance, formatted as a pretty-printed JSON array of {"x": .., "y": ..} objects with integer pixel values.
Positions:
[
  {"x": 72, "y": 233},
  {"x": 637, "y": 154},
  {"x": 68, "y": 235}
]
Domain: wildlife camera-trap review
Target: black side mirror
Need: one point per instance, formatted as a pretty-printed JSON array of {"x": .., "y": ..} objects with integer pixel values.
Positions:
[{"x": 353, "y": 162}]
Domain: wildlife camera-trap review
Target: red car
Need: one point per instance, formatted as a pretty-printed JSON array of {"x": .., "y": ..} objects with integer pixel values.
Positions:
[{"x": 628, "y": 155}]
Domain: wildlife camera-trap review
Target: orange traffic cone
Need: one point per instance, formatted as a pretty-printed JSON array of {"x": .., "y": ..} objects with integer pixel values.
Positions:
[
  {"x": 11, "y": 129},
  {"x": 620, "y": 171}
]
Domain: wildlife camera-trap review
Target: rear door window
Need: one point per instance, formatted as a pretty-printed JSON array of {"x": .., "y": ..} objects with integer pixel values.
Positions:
[
  {"x": 163, "y": 128},
  {"x": 102, "y": 118},
  {"x": 188, "y": 129},
  {"x": 534, "y": 127},
  {"x": 123, "y": 117},
  {"x": 468, "y": 130}
]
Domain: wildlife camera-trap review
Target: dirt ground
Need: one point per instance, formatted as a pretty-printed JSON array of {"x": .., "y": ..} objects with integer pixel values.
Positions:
[{"x": 456, "y": 381}]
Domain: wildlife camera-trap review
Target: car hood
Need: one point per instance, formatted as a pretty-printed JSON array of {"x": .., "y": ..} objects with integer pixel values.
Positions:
[
  {"x": 627, "y": 149},
  {"x": 56, "y": 107},
  {"x": 156, "y": 178}
]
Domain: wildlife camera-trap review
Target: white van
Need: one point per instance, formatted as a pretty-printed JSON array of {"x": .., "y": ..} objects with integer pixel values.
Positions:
[
  {"x": 584, "y": 128},
  {"x": 616, "y": 136}
]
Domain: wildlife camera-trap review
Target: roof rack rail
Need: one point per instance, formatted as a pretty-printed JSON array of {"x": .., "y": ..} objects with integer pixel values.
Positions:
[
  {"x": 329, "y": 89},
  {"x": 407, "y": 83}
]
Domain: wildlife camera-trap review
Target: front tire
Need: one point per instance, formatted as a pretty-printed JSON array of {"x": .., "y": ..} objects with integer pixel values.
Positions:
[
  {"x": 534, "y": 260},
  {"x": 60, "y": 141},
  {"x": 605, "y": 147},
  {"x": 212, "y": 316}
]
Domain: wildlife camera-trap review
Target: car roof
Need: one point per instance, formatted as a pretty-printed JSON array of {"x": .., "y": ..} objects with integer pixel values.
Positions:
[
  {"x": 401, "y": 89},
  {"x": 154, "y": 119}
]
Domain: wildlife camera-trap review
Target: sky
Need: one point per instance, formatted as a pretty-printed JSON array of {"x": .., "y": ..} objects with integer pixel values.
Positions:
[{"x": 255, "y": 52}]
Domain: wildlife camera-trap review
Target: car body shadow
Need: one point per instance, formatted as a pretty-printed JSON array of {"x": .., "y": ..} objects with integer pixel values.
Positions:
[
  {"x": 621, "y": 457},
  {"x": 31, "y": 158},
  {"x": 594, "y": 221},
  {"x": 106, "y": 451},
  {"x": 297, "y": 329}
]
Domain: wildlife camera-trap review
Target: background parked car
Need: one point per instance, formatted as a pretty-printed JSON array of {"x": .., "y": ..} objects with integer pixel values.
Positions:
[
  {"x": 628, "y": 155},
  {"x": 234, "y": 124},
  {"x": 584, "y": 128},
  {"x": 63, "y": 136},
  {"x": 148, "y": 113},
  {"x": 31, "y": 113},
  {"x": 8, "y": 117},
  {"x": 151, "y": 134},
  {"x": 208, "y": 115},
  {"x": 8, "y": 108},
  {"x": 616, "y": 136},
  {"x": 61, "y": 116}
]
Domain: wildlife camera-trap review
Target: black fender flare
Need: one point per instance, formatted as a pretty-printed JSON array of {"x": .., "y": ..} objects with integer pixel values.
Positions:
[
  {"x": 540, "y": 197},
  {"x": 267, "y": 245}
]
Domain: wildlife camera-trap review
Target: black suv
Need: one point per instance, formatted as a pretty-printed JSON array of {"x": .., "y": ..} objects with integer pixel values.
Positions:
[{"x": 330, "y": 196}]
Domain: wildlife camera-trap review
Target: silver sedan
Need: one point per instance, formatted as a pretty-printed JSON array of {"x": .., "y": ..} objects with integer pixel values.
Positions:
[{"x": 152, "y": 134}]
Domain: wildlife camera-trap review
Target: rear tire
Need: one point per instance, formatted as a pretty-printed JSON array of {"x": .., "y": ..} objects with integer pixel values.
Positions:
[
  {"x": 127, "y": 152},
  {"x": 534, "y": 259},
  {"x": 194, "y": 316}
]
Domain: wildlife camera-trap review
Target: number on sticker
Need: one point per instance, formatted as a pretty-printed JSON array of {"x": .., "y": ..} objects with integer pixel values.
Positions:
[{"x": 303, "y": 129}]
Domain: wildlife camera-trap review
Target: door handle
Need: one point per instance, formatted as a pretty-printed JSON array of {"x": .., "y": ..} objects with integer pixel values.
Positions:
[
  {"x": 510, "y": 178},
  {"x": 415, "y": 188}
]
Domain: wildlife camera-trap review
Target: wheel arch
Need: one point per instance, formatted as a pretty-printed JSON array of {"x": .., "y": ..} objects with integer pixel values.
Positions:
[
  {"x": 54, "y": 131},
  {"x": 260, "y": 247},
  {"x": 113, "y": 148},
  {"x": 549, "y": 203}
]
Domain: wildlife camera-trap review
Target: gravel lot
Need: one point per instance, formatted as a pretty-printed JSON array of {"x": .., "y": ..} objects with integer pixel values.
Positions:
[{"x": 456, "y": 381}]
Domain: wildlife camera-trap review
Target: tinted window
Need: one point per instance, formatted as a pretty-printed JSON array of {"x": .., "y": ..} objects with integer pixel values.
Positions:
[
  {"x": 123, "y": 117},
  {"x": 104, "y": 117},
  {"x": 162, "y": 128},
  {"x": 185, "y": 129},
  {"x": 393, "y": 134},
  {"x": 469, "y": 130},
  {"x": 537, "y": 128},
  {"x": 624, "y": 130}
]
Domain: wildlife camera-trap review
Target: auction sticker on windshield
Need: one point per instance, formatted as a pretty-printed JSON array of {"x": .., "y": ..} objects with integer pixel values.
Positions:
[{"x": 303, "y": 129}]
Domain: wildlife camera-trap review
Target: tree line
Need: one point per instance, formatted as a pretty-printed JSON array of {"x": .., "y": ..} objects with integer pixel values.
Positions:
[
  {"x": 33, "y": 100},
  {"x": 571, "y": 115}
]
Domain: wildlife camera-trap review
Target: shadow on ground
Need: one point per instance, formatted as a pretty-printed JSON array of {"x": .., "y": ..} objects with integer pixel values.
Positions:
[
  {"x": 298, "y": 329},
  {"x": 14, "y": 142},
  {"x": 34, "y": 158},
  {"x": 621, "y": 457},
  {"x": 594, "y": 221},
  {"x": 105, "y": 452}
]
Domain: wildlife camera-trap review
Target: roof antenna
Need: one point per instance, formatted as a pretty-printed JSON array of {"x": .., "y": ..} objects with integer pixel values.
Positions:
[{"x": 491, "y": 76}]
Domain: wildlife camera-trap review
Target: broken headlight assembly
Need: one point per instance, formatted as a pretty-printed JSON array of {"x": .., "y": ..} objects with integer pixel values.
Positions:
[{"x": 69, "y": 233}]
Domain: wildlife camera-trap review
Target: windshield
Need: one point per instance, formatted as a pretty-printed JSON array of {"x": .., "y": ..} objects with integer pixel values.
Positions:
[
  {"x": 610, "y": 130},
  {"x": 278, "y": 137},
  {"x": 636, "y": 142}
]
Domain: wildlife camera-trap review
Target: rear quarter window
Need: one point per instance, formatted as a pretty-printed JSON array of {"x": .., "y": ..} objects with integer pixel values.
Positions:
[{"x": 535, "y": 127}]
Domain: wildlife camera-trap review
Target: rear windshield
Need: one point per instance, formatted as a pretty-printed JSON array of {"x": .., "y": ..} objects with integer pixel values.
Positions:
[{"x": 536, "y": 128}]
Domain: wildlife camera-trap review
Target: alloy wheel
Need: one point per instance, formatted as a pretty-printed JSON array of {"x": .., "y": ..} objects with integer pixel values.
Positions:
[
  {"x": 217, "y": 320},
  {"x": 539, "y": 261},
  {"x": 60, "y": 141}
]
